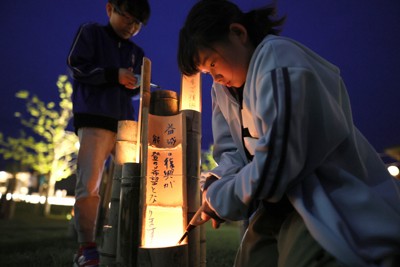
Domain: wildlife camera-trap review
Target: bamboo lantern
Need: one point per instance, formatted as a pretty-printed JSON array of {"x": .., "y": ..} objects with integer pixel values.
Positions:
[
  {"x": 126, "y": 143},
  {"x": 190, "y": 106},
  {"x": 191, "y": 93},
  {"x": 165, "y": 206},
  {"x": 125, "y": 152},
  {"x": 163, "y": 188}
]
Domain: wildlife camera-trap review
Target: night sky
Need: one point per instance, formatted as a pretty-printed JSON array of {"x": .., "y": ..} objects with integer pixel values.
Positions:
[{"x": 361, "y": 37}]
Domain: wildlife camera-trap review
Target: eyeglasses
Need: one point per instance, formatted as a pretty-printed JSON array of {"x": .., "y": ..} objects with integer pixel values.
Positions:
[{"x": 129, "y": 20}]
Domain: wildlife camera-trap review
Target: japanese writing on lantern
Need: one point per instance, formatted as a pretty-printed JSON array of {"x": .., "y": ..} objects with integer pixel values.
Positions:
[
  {"x": 169, "y": 131},
  {"x": 192, "y": 95},
  {"x": 154, "y": 176},
  {"x": 156, "y": 139},
  {"x": 150, "y": 225},
  {"x": 161, "y": 175},
  {"x": 170, "y": 138},
  {"x": 169, "y": 171}
]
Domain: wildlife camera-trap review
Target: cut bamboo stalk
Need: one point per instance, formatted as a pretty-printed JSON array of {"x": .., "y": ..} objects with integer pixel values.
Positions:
[
  {"x": 176, "y": 256},
  {"x": 191, "y": 108},
  {"x": 108, "y": 252},
  {"x": 129, "y": 215}
]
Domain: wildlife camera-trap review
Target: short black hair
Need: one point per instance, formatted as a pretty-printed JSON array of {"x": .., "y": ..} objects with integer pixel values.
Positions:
[
  {"x": 140, "y": 9},
  {"x": 208, "y": 23}
]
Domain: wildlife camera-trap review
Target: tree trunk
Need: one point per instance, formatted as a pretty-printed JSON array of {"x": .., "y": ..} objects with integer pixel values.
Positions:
[
  {"x": 49, "y": 192},
  {"x": 7, "y": 207}
]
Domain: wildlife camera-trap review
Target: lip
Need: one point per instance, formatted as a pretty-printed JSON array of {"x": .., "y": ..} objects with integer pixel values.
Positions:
[
  {"x": 126, "y": 33},
  {"x": 227, "y": 84}
]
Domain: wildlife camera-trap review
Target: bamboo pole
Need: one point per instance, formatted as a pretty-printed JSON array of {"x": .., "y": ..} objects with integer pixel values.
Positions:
[
  {"x": 143, "y": 139},
  {"x": 176, "y": 256},
  {"x": 108, "y": 251},
  {"x": 129, "y": 215},
  {"x": 133, "y": 188},
  {"x": 105, "y": 192},
  {"x": 193, "y": 153},
  {"x": 125, "y": 151},
  {"x": 191, "y": 108}
]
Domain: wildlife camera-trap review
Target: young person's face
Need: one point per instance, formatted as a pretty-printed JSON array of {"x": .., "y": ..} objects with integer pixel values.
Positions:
[
  {"x": 227, "y": 63},
  {"x": 124, "y": 25}
]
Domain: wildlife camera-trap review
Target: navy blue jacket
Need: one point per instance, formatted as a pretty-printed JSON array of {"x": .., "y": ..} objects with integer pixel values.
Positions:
[{"x": 94, "y": 59}]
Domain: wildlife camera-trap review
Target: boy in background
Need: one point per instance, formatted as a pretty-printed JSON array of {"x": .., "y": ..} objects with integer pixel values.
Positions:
[{"x": 103, "y": 61}]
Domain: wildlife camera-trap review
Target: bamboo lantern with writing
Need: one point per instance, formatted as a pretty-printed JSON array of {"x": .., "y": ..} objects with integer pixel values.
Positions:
[
  {"x": 191, "y": 93},
  {"x": 190, "y": 106},
  {"x": 163, "y": 204},
  {"x": 164, "y": 211}
]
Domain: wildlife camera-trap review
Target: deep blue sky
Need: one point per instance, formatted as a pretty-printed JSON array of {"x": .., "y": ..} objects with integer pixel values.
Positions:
[{"x": 362, "y": 37}]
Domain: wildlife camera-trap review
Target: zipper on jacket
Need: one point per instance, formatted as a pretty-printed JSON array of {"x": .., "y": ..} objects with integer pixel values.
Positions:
[{"x": 237, "y": 94}]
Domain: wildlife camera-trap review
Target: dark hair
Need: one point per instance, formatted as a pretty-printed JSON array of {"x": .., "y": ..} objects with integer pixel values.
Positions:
[
  {"x": 208, "y": 23},
  {"x": 139, "y": 9}
]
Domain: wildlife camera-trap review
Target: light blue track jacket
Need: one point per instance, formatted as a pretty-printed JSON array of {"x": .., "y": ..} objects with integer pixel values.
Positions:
[{"x": 305, "y": 145}]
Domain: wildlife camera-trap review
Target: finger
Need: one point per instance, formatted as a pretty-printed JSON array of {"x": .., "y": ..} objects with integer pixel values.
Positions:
[
  {"x": 205, "y": 217},
  {"x": 215, "y": 224},
  {"x": 130, "y": 85}
]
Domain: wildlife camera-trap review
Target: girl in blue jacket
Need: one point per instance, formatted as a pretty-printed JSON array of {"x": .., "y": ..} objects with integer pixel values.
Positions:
[{"x": 289, "y": 156}]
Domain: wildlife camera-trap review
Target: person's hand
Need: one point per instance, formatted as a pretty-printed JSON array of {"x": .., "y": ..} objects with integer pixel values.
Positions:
[
  {"x": 127, "y": 78},
  {"x": 208, "y": 213}
]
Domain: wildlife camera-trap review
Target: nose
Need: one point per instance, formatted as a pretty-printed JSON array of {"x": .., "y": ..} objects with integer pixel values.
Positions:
[
  {"x": 134, "y": 28},
  {"x": 218, "y": 78}
]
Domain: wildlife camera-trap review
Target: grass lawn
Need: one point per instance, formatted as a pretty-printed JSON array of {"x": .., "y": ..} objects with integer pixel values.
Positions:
[{"x": 32, "y": 240}]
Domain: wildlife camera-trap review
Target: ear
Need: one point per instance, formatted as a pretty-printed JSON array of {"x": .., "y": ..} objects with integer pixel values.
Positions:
[
  {"x": 109, "y": 9},
  {"x": 237, "y": 30}
]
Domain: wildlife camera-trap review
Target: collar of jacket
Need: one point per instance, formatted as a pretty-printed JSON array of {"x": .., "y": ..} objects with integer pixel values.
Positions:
[{"x": 112, "y": 33}]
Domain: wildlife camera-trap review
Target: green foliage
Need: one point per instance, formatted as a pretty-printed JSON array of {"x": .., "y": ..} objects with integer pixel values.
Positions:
[
  {"x": 51, "y": 149},
  {"x": 207, "y": 160}
]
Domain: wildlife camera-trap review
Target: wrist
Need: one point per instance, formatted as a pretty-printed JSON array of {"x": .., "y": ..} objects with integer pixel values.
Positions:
[
  {"x": 209, "y": 180},
  {"x": 111, "y": 75}
]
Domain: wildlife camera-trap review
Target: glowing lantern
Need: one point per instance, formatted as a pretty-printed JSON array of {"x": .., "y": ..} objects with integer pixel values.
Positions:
[
  {"x": 170, "y": 167},
  {"x": 125, "y": 153},
  {"x": 163, "y": 197},
  {"x": 164, "y": 212},
  {"x": 191, "y": 93},
  {"x": 126, "y": 144},
  {"x": 190, "y": 106}
]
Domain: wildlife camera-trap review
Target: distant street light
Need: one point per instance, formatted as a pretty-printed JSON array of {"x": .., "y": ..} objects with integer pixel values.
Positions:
[
  {"x": 394, "y": 153},
  {"x": 393, "y": 170}
]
